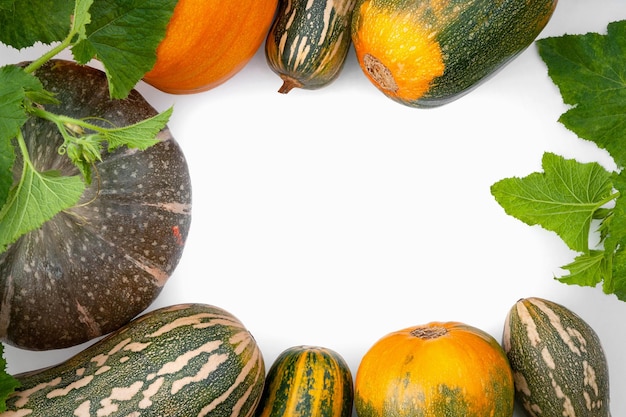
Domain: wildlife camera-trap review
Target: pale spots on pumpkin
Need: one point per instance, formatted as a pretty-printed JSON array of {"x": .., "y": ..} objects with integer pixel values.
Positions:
[
  {"x": 250, "y": 366},
  {"x": 91, "y": 325},
  {"x": 196, "y": 321},
  {"x": 136, "y": 346},
  {"x": 75, "y": 385},
  {"x": 23, "y": 396},
  {"x": 209, "y": 367},
  {"x": 148, "y": 393},
  {"x": 533, "y": 409},
  {"x": 183, "y": 360},
  {"x": 160, "y": 276},
  {"x": 521, "y": 384},
  {"x": 577, "y": 335},
  {"x": 241, "y": 341},
  {"x": 109, "y": 404},
  {"x": 529, "y": 324},
  {"x": 555, "y": 322},
  {"x": 83, "y": 409},
  {"x": 102, "y": 370},
  {"x": 568, "y": 407},
  {"x": 589, "y": 378},
  {"x": 101, "y": 358},
  {"x": 547, "y": 358}
]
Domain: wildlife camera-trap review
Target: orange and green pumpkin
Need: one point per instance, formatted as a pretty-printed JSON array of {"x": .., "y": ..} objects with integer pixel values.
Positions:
[
  {"x": 434, "y": 370},
  {"x": 307, "y": 381},
  {"x": 426, "y": 53}
]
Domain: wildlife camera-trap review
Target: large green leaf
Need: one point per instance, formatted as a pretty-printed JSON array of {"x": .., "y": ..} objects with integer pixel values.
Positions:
[
  {"x": 563, "y": 199},
  {"x": 15, "y": 87},
  {"x": 590, "y": 72},
  {"x": 124, "y": 35},
  {"x": 25, "y": 22},
  {"x": 36, "y": 199}
]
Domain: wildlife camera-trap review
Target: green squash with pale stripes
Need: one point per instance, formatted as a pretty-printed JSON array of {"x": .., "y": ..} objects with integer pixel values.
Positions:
[
  {"x": 308, "y": 42},
  {"x": 307, "y": 381},
  {"x": 559, "y": 366},
  {"x": 182, "y": 360}
]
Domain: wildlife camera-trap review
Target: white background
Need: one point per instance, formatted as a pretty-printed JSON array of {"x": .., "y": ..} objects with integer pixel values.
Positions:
[{"x": 333, "y": 217}]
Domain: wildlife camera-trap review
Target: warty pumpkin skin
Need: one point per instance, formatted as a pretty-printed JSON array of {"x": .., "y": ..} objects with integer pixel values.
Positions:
[
  {"x": 92, "y": 268},
  {"x": 558, "y": 363},
  {"x": 183, "y": 360},
  {"x": 207, "y": 42},
  {"x": 427, "y": 53},
  {"x": 434, "y": 370}
]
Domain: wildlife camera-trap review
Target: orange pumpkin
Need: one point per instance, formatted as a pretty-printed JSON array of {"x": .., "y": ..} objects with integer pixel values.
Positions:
[
  {"x": 433, "y": 370},
  {"x": 209, "y": 41}
]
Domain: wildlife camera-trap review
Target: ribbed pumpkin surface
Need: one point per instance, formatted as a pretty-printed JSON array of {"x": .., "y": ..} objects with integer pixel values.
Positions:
[
  {"x": 183, "y": 360},
  {"x": 208, "y": 41},
  {"x": 435, "y": 370},
  {"x": 307, "y": 381}
]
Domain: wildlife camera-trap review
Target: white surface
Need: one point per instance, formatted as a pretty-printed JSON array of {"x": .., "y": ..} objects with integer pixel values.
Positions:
[{"x": 335, "y": 216}]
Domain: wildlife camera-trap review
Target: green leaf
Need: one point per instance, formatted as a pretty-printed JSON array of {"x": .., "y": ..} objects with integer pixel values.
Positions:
[
  {"x": 82, "y": 18},
  {"x": 124, "y": 35},
  {"x": 562, "y": 199},
  {"x": 588, "y": 269},
  {"x": 7, "y": 4},
  {"x": 22, "y": 22},
  {"x": 8, "y": 384},
  {"x": 590, "y": 72},
  {"x": 7, "y": 157},
  {"x": 36, "y": 199},
  {"x": 15, "y": 87},
  {"x": 140, "y": 135}
]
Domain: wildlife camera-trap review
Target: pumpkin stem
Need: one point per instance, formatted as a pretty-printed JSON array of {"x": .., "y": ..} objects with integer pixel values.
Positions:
[
  {"x": 288, "y": 84},
  {"x": 431, "y": 332}
]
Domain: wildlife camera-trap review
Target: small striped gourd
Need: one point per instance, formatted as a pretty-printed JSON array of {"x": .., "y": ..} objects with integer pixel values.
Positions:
[
  {"x": 424, "y": 53},
  {"x": 307, "y": 381},
  {"x": 308, "y": 42},
  {"x": 434, "y": 370},
  {"x": 558, "y": 363},
  {"x": 182, "y": 360}
]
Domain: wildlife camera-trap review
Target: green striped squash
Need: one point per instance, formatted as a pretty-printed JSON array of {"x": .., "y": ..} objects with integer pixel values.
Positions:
[
  {"x": 307, "y": 381},
  {"x": 308, "y": 42},
  {"x": 559, "y": 366},
  {"x": 182, "y": 360}
]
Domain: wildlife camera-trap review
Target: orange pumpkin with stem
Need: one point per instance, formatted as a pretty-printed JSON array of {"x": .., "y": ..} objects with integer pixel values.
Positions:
[
  {"x": 433, "y": 370},
  {"x": 207, "y": 42}
]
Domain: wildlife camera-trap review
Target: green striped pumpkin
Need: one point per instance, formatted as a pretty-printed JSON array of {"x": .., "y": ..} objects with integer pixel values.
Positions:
[
  {"x": 308, "y": 42},
  {"x": 559, "y": 366},
  {"x": 307, "y": 381},
  {"x": 182, "y": 360}
]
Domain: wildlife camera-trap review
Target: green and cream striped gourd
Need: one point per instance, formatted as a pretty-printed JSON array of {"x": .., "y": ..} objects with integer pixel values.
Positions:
[
  {"x": 183, "y": 360},
  {"x": 559, "y": 366},
  {"x": 307, "y": 381},
  {"x": 308, "y": 42}
]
